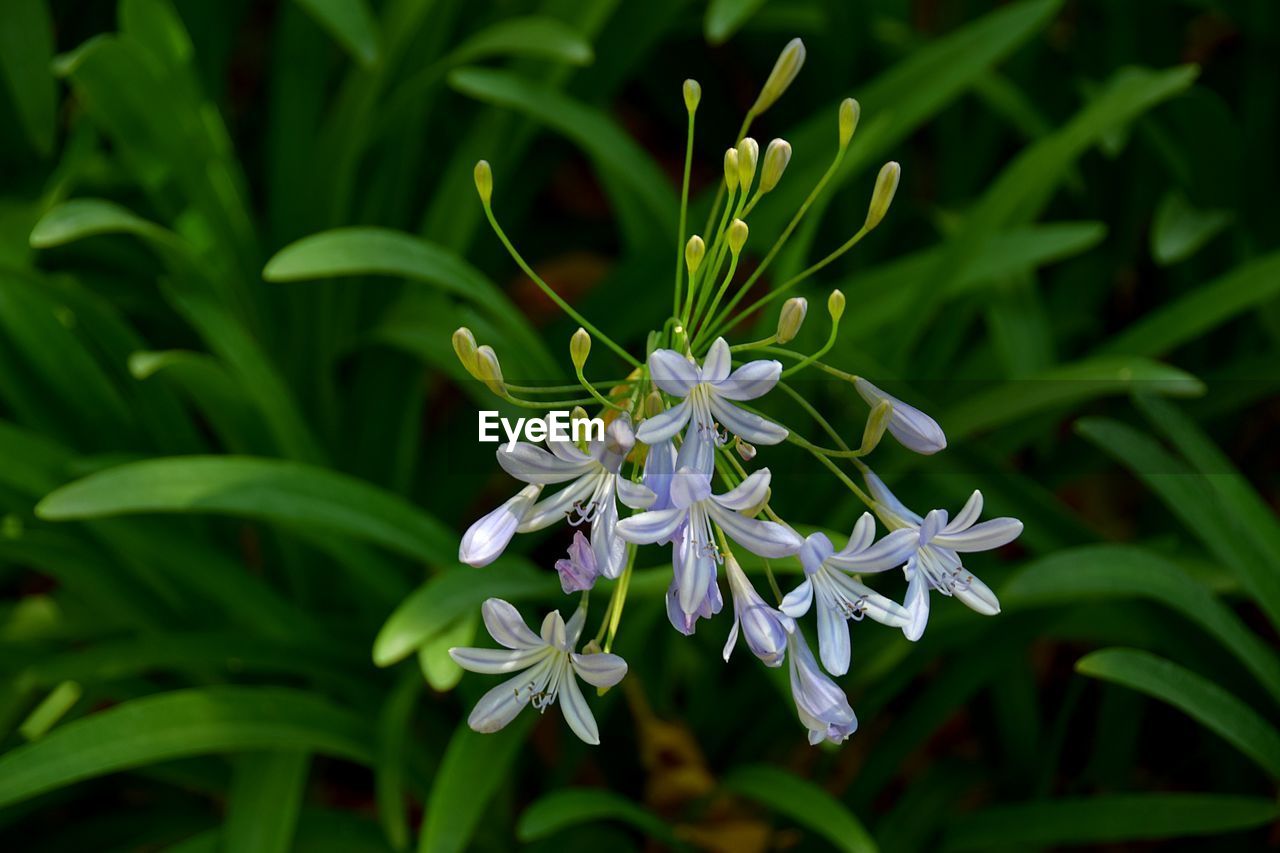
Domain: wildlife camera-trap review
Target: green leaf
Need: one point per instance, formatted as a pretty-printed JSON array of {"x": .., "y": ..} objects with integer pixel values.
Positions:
[
  {"x": 614, "y": 152},
  {"x": 266, "y": 796},
  {"x": 381, "y": 251},
  {"x": 804, "y": 802},
  {"x": 438, "y": 668},
  {"x": 1097, "y": 572},
  {"x": 1180, "y": 230},
  {"x": 438, "y": 603},
  {"x": 1108, "y": 820},
  {"x": 88, "y": 217},
  {"x": 50, "y": 710},
  {"x": 1194, "y": 695},
  {"x": 1065, "y": 386},
  {"x": 201, "y": 721},
  {"x": 389, "y": 770},
  {"x": 1201, "y": 309},
  {"x": 26, "y": 52},
  {"x": 473, "y": 768},
  {"x": 350, "y": 22},
  {"x": 561, "y": 810},
  {"x": 537, "y": 36},
  {"x": 724, "y": 17},
  {"x": 274, "y": 490}
]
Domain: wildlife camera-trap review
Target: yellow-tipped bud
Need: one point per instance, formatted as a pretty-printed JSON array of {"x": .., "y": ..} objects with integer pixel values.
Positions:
[
  {"x": 877, "y": 423},
  {"x": 791, "y": 318},
  {"x": 835, "y": 305},
  {"x": 694, "y": 251},
  {"x": 882, "y": 197},
  {"x": 776, "y": 158},
  {"x": 692, "y": 95},
  {"x": 746, "y": 451},
  {"x": 784, "y": 71},
  {"x": 579, "y": 348},
  {"x": 748, "y": 157},
  {"x": 489, "y": 371},
  {"x": 653, "y": 404},
  {"x": 850, "y": 112},
  {"x": 731, "y": 169},
  {"x": 464, "y": 345},
  {"x": 737, "y": 236},
  {"x": 484, "y": 180}
]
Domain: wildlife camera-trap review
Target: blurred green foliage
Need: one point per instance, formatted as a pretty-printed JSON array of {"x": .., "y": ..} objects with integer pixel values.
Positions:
[{"x": 235, "y": 446}]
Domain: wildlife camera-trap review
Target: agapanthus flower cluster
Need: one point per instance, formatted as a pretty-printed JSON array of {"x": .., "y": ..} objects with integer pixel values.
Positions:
[{"x": 672, "y": 470}]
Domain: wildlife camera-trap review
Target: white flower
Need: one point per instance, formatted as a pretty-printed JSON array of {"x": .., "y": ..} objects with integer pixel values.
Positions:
[
  {"x": 840, "y": 596},
  {"x": 821, "y": 704},
  {"x": 594, "y": 488},
  {"x": 485, "y": 540},
  {"x": 693, "y": 510},
  {"x": 912, "y": 428},
  {"x": 763, "y": 627},
  {"x": 707, "y": 393},
  {"x": 936, "y": 562},
  {"x": 546, "y": 667}
]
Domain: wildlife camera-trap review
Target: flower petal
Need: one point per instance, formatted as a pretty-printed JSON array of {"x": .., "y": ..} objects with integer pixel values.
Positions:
[
  {"x": 496, "y": 661},
  {"x": 978, "y": 597},
  {"x": 488, "y": 537},
  {"x": 765, "y": 538},
  {"x": 553, "y": 630},
  {"x": 664, "y": 425},
  {"x": 833, "y": 639},
  {"x": 553, "y": 510},
  {"x": 577, "y": 713},
  {"x": 889, "y": 553},
  {"x": 507, "y": 626},
  {"x": 797, "y": 602},
  {"x": 981, "y": 537},
  {"x": 862, "y": 535},
  {"x": 634, "y": 495},
  {"x": 968, "y": 515},
  {"x": 917, "y": 605},
  {"x": 746, "y": 425},
  {"x": 815, "y": 551},
  {"x": 912, "y": 428},
  {"x": 689, "y": 487},
  {"x": 599, "y": 670},
  {"x": 654, "y": 526},
  {"x": 888, "y": 501},
  {"x": 659, "y": 468},
  {"x": 694, "y": 569},
  {"x": 501, "y": 704},
  {"x": 875, "y": 606},
  {"x": 716, "y": 366},
  {"x": 749, "y": 494},
  {"x": 609, "y": 548},
  {"x": 754, "y": 379},
  {"x": 532, "y": 464},
  {"x": 673, "y": 373}
]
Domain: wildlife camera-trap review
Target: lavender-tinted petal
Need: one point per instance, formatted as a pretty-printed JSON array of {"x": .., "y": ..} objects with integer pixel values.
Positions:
[
  {"x": 732, "y": 640},
  {"x": 815, "y": 551},
  {"x": 754, "y": 379},
  {"x": 573, "y": 629},
  {"x": 833, "y": 638},
  {"x": 693, "y": 571},
  {"x": 664, "y": 425},
  {"x": 978, "y": 597},
  {"x": 888, "y": 500},
  {"x": 496, "y": 661},
  {"x": 889, "y": 553},
  {"x": 659, "y": 468},
  {"x": 553, "y": 510},
  {"x": 716, "y": 366},
  {"x": 967, "y": 515},
  {"x": 488, "y": 537},
  {"x": 797, "y": 602},
  {"x": 746, "y": 425},
  {"x": 862, "y": 535},
  {"x": 599, "y": 670},
  {"x": 916, "y": 604},
  {"x": 689, "y": 487},
  {"x": 553, "y": 630},
  {"x": 609, "y": 548},
  {"x": 673, "y": 373},
  {"x": 749, "y": 494},
  {"x": 507, "y": 626},
  {"x": 648, "y": 528},
  {"x": 635, "y": 495},
  {"x": 932, "y": 525},
  {"x": 501, "y": 704},
  {"x": 912, "y": 428},
  {"x": 577, "y": 713},
  {"x": 875, "y": 606},
  {"x": 981, "y": 537},
  {"x": 532, "y": 464},
  {"x": 698, "y": 450},
  {"x": 765, "y": 538}
]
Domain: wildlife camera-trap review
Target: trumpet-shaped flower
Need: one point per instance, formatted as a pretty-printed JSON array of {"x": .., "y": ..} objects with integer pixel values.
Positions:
[
  {"x": 936, "y": 563},
  {"x": 693, "y": 509},
  {"x": 545, "y": 666},
  {"x": 594, "y": 488},
  {"x": 841, "y": 597},
  {"x": 485, "y": 540},
  {"x": 708, "y": 604},
  {"x": 912, "y": 428},
  {"x": 763, "y": 627},
  {"x": 821, "y": 704},
  {"x": 578, "y": 571},
  {"x": 707, "y": 394}
]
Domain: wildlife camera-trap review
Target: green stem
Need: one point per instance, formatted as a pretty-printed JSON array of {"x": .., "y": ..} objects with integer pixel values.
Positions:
[{"x": 684, "y": 214}]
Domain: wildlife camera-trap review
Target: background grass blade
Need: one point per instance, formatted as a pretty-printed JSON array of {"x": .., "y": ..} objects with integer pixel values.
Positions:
[{"x": 803, "y": 802}]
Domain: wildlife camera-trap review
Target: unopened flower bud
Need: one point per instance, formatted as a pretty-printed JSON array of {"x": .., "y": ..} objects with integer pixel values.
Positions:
[
  {"x": 882, "y": 197},
  {"x": 484, "y": 180},
  {"x": 579, "y": 348},
  {"x": 745, "y": 450},
  {"x": 784, "y": 71},
  {"x": 653, "y": 404},
  {"x": 692, "y": 95},
  {"x": 694, "y": 251},
  {"x": 850, "y": 111},
  {"x": 731, "y": 169},
  {"x": 489, "y": 371},
  {"x": 464, "y": 345},
  {"x": 577, "y": 414},
  {"x": 877, "y": 423},
  {"x": 791, "y": 318},
  {"x": 776, "y": 158},
  {"x": 748, "y": 157},
  {"x": 835, "y": 305},
  {"x": 737, "y": 236}
]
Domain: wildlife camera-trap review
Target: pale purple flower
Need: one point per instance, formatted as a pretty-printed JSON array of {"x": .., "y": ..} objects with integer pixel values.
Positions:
[
  {"x": 912, "y": 428},
  {"x": 936, "y": 562},
  {"x": 578, "y": 572},
  {"x": 763, "y": 627},
  {"x": 841, "y": 597},
  {"x": 821, "y": 704},
  {"x": 708, "y": 603},
  {"x": 659, "y": 468},
  {"x": 485, "y": 540},
  {"x": 707, "y": 394},
  {"x": 546, "y": 668},
  {"x": 693, "y": 510},
  {"x": 595, "y": 485}
]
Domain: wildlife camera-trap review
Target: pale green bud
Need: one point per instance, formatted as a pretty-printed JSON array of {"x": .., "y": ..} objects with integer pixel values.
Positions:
[
  {"x": 882, "y": 197},
  {"x": 877, "y": 423},
  {"x": 784, "y": 71},
  {"x": 464, "y": 345},
  {"x": 694, "y": 251},
  {"x": 579, "y": 348},
  {"x": 489, "y": 371},
  {"x": 835, "y": 305},
  {"x": 850, "y": 112},
  {"x": 748, "y": 157},
  {"x": 484, "y": 180},
  {"x": 692, "y": 95},
  {"x": 737, "y": 236},
  {"x": 731, "y": 169},
  {"x": 653, "y": 404},
  {"x": 791, "y": 318},
  {"x": 776, "y": 158}
]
